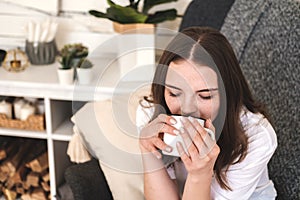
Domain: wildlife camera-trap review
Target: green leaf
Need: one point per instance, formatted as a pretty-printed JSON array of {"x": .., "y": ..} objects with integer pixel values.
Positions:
[
  {"x": 148, "y": 4},
  {"x": 98, "y": 14},
  {"x": 161, "y": 16},
  {"x": 111, "y": 3},
  {"x": 125, "y": 15},
  {"x": 130, "y": 14}
]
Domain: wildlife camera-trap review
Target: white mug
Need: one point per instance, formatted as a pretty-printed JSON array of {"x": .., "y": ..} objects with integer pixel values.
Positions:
[{"x": 172, "y": 140}]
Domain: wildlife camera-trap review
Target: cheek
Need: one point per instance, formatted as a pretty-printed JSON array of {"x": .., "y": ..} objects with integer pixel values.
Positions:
[
  {"x": 173, "y": 104},
  {"x": 209, "y": 108}
]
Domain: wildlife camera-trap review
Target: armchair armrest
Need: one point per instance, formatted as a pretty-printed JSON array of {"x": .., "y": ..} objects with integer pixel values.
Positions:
[{"x": 87, "y": 181}]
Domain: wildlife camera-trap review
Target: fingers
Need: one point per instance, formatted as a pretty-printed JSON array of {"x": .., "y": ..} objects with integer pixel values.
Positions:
[
  {"x": 183, "y": 155},
  {"x": 198, "y": 140},
  {"x": 163, "y": 124},
  {"x": 150, "y": 137},
  {"x": 153, "y": 144},
  {"x": 208, "y": 124}
]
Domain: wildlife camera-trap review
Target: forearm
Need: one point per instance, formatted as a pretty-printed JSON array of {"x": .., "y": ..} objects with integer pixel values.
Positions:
[
  {"x": 157, "y": 183},
  {"x": 197, "y": 189}
]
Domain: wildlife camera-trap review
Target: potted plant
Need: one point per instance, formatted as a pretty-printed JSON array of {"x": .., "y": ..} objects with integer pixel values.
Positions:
[
  {"x": 69, "y": 57},
  {"x": 134, "y": 16},
  {"x": 84, "y": 71}
]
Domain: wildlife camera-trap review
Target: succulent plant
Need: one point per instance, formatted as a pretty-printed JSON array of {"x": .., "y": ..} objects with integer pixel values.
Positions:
[
  {"x": 131, "y": 14},
  {"x": 85, "y": 63},
  {"x": 71, "y": 54}
]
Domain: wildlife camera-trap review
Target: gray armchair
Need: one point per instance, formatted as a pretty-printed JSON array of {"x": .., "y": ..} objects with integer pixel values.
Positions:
[
  {"x": 87, "y": 181},
  {"x": 265, "y": 35}
]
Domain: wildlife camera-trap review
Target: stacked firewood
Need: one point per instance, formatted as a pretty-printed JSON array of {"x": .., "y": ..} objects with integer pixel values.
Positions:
[{"x": 24, "y": 169}]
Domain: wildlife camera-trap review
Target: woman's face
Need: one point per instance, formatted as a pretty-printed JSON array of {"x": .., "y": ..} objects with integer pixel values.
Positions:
[{"x": 192, "y": 90}]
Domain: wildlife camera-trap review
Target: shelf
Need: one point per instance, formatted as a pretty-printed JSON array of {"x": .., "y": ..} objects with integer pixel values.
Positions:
[
  {"x": 64, "y": 132},
  {"x": 62, "y": 101},
  {"x": 23, "y": 133}
]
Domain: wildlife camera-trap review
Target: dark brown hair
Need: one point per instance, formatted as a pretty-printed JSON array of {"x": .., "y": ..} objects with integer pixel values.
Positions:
[{"x": 208, "y": 46}]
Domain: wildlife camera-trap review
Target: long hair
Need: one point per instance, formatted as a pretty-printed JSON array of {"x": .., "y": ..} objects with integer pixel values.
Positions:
[{"x": 208, "y": 46}]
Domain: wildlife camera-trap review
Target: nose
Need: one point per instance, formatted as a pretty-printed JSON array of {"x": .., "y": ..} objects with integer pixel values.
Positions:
[{"x": 189, "y": 106}]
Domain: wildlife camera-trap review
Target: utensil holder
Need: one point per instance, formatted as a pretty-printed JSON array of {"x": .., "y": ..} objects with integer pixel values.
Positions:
[{"x": 41, "y": 53}]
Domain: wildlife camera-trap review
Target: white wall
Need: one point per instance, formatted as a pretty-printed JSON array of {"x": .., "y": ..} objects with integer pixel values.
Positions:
[{"x": 75, "y": 25}]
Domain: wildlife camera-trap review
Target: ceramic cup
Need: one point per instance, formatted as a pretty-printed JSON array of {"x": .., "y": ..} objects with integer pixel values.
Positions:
[{"x": 171, "y": 140}]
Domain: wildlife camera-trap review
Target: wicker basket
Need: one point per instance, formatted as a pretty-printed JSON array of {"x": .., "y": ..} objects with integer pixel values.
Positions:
[{"x": 33, "y": 122}]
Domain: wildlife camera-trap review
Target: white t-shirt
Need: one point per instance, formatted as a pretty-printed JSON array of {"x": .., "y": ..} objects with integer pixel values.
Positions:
[{"x": 248, "y": 179}]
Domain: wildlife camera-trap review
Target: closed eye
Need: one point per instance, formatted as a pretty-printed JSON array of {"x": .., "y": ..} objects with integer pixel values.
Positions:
[
  {"x": 205, "y": 97},
  {"x": 207, "y": 94},
  {"x": 174, "y": 94}
]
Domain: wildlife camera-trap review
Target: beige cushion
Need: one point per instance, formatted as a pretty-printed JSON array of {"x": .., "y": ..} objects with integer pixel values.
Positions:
[{"x": 109, "y": 133}]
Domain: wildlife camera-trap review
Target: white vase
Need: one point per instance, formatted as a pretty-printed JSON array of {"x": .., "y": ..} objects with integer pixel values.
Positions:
[
  {"x": 84, "y": 75},
  {"x": 65, "y": 76}
]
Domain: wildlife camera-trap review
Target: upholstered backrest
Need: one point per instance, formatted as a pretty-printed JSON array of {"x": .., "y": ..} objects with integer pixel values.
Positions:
[
  {"x": 265, "y": 36},
  {"x": 270, "y": 59}
]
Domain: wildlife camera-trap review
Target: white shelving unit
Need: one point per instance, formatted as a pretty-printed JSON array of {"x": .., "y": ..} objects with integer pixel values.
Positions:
[{"x": 42, "y": 82}]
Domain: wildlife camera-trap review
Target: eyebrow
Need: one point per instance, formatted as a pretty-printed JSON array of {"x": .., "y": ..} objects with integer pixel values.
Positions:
[{"x": 202, "y": 90}]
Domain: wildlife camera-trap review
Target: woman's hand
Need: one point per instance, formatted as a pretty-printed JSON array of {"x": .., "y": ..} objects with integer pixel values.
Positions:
[
  {"x": 202, "y": 150},
  {"x": 151, "y": 134}
]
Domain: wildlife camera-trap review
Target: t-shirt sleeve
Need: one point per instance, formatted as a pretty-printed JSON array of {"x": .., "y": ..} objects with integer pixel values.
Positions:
[
  {"x": 143, "y": 116},
  {"x": 244, "y": 177}
]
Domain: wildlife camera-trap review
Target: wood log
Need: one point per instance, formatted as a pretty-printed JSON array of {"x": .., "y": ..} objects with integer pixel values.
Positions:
[
  {"x": 1, "y": 188},
  {"x": 38, "y": 194},
  {"x": 13, "y": 163},
  {"x": 25, "y": 185},
  {"x": 9, "y": 146},
  {"x": 20, "y": 175},
  {"x": 45, "y": 186},
  {"x": 9, "y": 194},
  {"x": 2, "y": 154},
  {"x": 45, "y": 176},
  {"x": 39, "y": 164},
  {"x": 10, "y": 183},
  {"x": 38, "y": 148},
  {"x": 24, "y": 165},
  {"x": 3, "y": 146},
  {"x": 20, "y": 189},
  {"x": 5, "y": 169},
  {"x": 3, "y": 176},
  {"x": 33, "y": 179},
  {"x": 10, "y": 151},
  {"x": 26, "y": 196}
]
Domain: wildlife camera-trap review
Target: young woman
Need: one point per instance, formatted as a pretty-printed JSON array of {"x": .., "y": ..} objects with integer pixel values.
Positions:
[{"x": 199, "y": 76}]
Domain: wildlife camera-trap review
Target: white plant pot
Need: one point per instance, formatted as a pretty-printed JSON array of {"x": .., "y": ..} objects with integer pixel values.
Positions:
[
  {"x": 65, "y": 76},
  {"x": 84, "y": 75}
]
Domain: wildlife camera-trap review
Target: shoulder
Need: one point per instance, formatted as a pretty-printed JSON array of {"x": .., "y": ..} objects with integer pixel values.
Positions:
[{"x": 261, "y": 135}]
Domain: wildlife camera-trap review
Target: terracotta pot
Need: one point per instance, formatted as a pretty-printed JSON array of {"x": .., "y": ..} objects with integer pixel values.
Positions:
[{"x": 134, "y": 28}]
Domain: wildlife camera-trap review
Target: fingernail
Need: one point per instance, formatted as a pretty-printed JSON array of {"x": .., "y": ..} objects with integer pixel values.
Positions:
[
  {"x": 209, "y": 122},
  {"x": 175, "y": 131},
  {"x": 181, "y": 130},
  {"x": 157, "y": 154},
  {"x": 183, "y": 120},
  {"x": 173, "y": 121},
  {"x": 191, "y": 118},
  {"x": 168, "y": 149}
]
